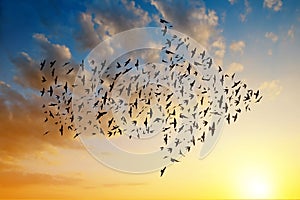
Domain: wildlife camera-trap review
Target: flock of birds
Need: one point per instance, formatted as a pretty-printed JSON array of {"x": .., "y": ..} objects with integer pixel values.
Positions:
[{"x": 178, "y": 97}]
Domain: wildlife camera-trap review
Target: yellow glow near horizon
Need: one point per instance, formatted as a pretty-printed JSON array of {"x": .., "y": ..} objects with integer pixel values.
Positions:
[
  {"x": 258, "y": 187},
  {"x": 255, "y": 184}
]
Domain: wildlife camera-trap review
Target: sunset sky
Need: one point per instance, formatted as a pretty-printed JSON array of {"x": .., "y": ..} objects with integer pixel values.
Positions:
[{"x": 257, "y": 157}]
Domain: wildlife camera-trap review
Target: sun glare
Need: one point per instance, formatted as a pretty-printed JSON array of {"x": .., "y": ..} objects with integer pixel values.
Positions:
[
  {"x": 255, "y": 184},
  {"x": 258, "y": 187}
]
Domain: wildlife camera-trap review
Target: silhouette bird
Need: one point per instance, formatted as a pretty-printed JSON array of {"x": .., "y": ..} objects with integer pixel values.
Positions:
[
  {"x": 162, "y": 171},
  {"x": 42, "y": 64}
]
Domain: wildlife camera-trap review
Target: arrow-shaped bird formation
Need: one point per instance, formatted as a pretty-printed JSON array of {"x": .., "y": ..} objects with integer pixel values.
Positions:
[{"x": 180, "y": 98}]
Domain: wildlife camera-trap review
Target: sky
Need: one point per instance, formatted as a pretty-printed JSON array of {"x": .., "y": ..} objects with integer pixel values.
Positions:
[{"x": 257, "y": 157}]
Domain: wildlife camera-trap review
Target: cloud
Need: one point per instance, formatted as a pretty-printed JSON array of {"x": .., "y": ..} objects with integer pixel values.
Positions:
[
  {"x": 291, "y": 32},
  {"x": 28, "y": 74},
  {"x": 271, "y": 89},
  {"x": 218, "y": 48},
  {"x": 190, "y": 18},
  {"x": 52, "y": 51},
  {"x": 272, "y": 36},
  {"x": 28, "y": 69},
  {"x": 248, "y": 10},
  {"x": 22, "y": 125},
  {"x": 232, "y": 2},
  {"x": 109, "y": 18},
  {"x": 237, "y": 46},
  {"x": 87, "y": 37},
  {"x": 273, "y": 4},
  {"x": 235, "y": 67},
  {"x": 195, "y": 20}
]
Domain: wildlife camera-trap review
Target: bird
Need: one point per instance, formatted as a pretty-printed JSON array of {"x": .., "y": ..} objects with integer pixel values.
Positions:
[
  {"x": 258, "y": 100},
  {"x": 42, "y": 64},
  {"x": 100, "y": 114},
  {"x": 61, "y": 130},
  {"x": 50, "y": 91},
  {"x": 164, "y": 31},
  {"x": 43, "y": 79},
  {"x": 69, "y": 71},
  {"x": 166, "y": 138},
  {"x": 212, "y": 129},
  {"x": 66, "y": 63},
  {"x": 202, "y": 55},
  {"x": 174, "y": 160},
  {"x": 127, "y": 62},
  {"x": 162, "y": 171},
  {"x": 163, "y": 21},
  {"x": 193, "y": 52},
  {"x": 52, "y": 63},
  {"x": 42, "y": 92}
]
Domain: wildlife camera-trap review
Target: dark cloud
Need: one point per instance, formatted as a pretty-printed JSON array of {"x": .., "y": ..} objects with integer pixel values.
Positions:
[{"x": 87, "y": 37}]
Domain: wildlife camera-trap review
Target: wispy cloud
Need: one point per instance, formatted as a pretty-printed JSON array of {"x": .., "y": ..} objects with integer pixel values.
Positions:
[
  {"x": 235, "y": 67},
  {"x": 273, "y": 4},
  {"x": 272, "y": 36},
  {"x": 248, "y": 10},
  {"x": 238, "y": 46},
  {"x": 271, "y": 89},
  {"x": 218, "y": 47}
]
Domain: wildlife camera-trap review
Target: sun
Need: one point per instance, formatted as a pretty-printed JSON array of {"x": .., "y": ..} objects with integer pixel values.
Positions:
[
  {"x": 255, "y": 184},
  {"x": 258, "y": 187}
]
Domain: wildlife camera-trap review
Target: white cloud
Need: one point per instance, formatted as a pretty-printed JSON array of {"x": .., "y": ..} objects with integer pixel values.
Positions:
[
  {"x": 237, "y": 46},
  {"x": 235, "y": 67},
  {"x": 248, "y": 10},
  {"x": 291, "y": 32},
  {"x": 273, "y": 4},
  {"x": 52, "y": 51},
  {"x": 271, "y": 36},
  {"x": 218, "y": 49},
  {"x": 271, "y": 89}
]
